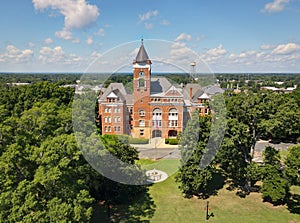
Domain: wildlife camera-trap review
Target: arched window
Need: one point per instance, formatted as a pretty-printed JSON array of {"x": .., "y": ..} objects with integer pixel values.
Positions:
[
  {"x": 173, "y": 113},
  {"x": 173, "y": 117},
  {"x": 157, "y": 112},
  {"x": 157, "y": 118}
]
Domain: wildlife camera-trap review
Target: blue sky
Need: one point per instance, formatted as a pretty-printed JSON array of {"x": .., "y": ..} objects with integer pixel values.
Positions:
[{"x": 228, "y": 36}]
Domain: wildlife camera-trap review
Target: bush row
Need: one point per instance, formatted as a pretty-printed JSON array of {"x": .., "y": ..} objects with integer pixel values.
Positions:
[{"x": 171, "y": 141}]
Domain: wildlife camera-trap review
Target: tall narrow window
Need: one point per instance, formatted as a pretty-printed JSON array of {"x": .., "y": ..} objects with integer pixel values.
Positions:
[
  {"x": 142, "y": 123},
  {"x": 142, "y": 82}
]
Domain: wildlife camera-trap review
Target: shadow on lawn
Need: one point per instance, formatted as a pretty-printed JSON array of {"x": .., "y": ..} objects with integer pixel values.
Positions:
[
  {"x": 141, "y": 209},
  {"x": 217, "y": 183},
  {"x": 294, "y": 204}
]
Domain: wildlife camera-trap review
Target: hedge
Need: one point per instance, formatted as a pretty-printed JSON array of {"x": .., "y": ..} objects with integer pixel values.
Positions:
[
  {"x": 171, "y": 141},
  {"x": 138, "y": 141}
]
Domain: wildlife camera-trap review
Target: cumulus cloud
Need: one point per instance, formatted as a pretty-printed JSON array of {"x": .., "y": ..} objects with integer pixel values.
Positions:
[
  {"x": 89, "y": 40},
  {"x": 276, "y": 6},
  {"x": 15, "y": 55},
  {"x": 148, "y": 15},
  {"x": 56, "y": 55},
  {"x": 66, "y": 35},
  {"x": 183, "y": 36},
  {"x": 286, "y": 48},
  {"x": 77, "y": 14},
  {"x": 48, "y": 41},
  {"x": 179, "y": 52},
  {"x": 267, "y": 47},
  {"x": 216, "y": 52}
]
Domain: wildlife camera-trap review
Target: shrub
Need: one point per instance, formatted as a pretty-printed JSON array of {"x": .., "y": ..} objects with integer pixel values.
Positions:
[
  {"x": 138, "y": 141},
  {"x": 167, "y": 141},
  {"x": 173, "y": 141}
]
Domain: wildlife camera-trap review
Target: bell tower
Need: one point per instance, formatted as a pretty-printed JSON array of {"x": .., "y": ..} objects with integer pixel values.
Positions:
[{"x": 141, "y": 93}]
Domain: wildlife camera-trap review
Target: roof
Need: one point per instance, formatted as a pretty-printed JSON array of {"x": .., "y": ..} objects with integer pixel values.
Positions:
[
  {"x": 112, "y": 88},
  {"x": 142, "y": 56},
  {"x": 129, "y": 99},
  {"x": 159, "y": 85},
  {"x": 212, "y": 90},
  {"x": 196, "y": 88}
]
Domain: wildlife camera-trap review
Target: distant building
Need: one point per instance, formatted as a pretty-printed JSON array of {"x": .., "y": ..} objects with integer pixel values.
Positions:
[{"x": 155, "y": 109}]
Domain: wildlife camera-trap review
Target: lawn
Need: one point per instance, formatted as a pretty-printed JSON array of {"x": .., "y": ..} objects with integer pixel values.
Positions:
[{"x": 170, "y": 206}]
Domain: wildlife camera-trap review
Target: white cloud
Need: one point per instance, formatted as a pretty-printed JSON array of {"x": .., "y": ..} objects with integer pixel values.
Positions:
[
  {"x": 15, "y": 55},
  {"x": 56, "y": 55},
  {"x": 178, "y": 45},
  {"x": 276, "y": 6},
  {"x": 100, "y": 32},
  {"x": 286, "y": 48},
  {"x": 89, "y": 40},
  {"x": 179, "y": 52},
  {"x": 183, "y": 36},
  {"x": 267, "y": 47},
  {"x": 66, "y": 35},
  {"x": 216, "y": 52},
  {"x": 148, "y": 15},
  {"x": 77, "y": 14},
  {"x": 48, "y": 41}
]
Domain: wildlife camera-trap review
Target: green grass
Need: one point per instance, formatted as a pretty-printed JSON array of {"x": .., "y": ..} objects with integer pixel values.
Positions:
[
  {"x": 168, "y": 166},
  {"x": 171, "y": 206},
  {"x": 226, "y": 207}
]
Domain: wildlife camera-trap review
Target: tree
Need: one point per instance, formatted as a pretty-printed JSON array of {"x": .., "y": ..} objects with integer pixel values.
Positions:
[
  {"x": 193, "y": 179},
  {"x": 275, "y": 188},
  {"x": 292, "y": 162}
]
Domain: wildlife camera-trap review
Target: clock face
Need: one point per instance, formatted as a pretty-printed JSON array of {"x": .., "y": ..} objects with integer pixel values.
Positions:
[{"x": 141, "y": 74}]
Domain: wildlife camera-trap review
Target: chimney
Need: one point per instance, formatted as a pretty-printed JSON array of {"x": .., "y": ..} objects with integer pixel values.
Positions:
[{"x": 191, "y": 93}]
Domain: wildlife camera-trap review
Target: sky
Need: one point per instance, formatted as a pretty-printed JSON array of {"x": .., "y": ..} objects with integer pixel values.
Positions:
[{"x": 221, "y": 36}]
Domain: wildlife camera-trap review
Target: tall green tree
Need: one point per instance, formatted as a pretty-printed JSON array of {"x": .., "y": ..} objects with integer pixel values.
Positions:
[
  {"x": 275, "y": 188},
  {"x": 292, "y": 162}
]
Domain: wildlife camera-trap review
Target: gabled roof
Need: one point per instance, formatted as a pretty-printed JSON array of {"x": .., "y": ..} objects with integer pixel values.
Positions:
[
  {"x": 173, "y": 92},
  {"x": 117, "y": 88},
  {"x": 142, "y": 56},
  {"x": 159, "y": 85},
  {"x": 204, "y": 96},
  {"x": 112, "y": 95}
]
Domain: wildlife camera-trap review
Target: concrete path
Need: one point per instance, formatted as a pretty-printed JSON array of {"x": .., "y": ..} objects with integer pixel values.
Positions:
[{"x": 157, "y": 149}]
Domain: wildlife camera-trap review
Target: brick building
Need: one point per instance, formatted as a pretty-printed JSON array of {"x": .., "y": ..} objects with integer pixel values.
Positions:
[{"x": 156, "y": 108}]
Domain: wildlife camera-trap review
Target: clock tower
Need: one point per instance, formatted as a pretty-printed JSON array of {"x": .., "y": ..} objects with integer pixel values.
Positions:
[{"x": 141, "y": 93}]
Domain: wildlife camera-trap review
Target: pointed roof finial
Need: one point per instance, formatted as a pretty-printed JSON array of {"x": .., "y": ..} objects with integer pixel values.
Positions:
[{"x": 142, "y": 56}]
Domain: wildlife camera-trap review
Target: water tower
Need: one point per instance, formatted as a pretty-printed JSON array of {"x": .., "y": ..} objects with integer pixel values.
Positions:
[{"x": 193, "y": 71}]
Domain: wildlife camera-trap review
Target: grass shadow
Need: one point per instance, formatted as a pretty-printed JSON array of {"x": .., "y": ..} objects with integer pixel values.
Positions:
[
  {"x": 294, "y": 204},
  {"x": 217, "y": 183},
  {"x": 140, "y": 209}
]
